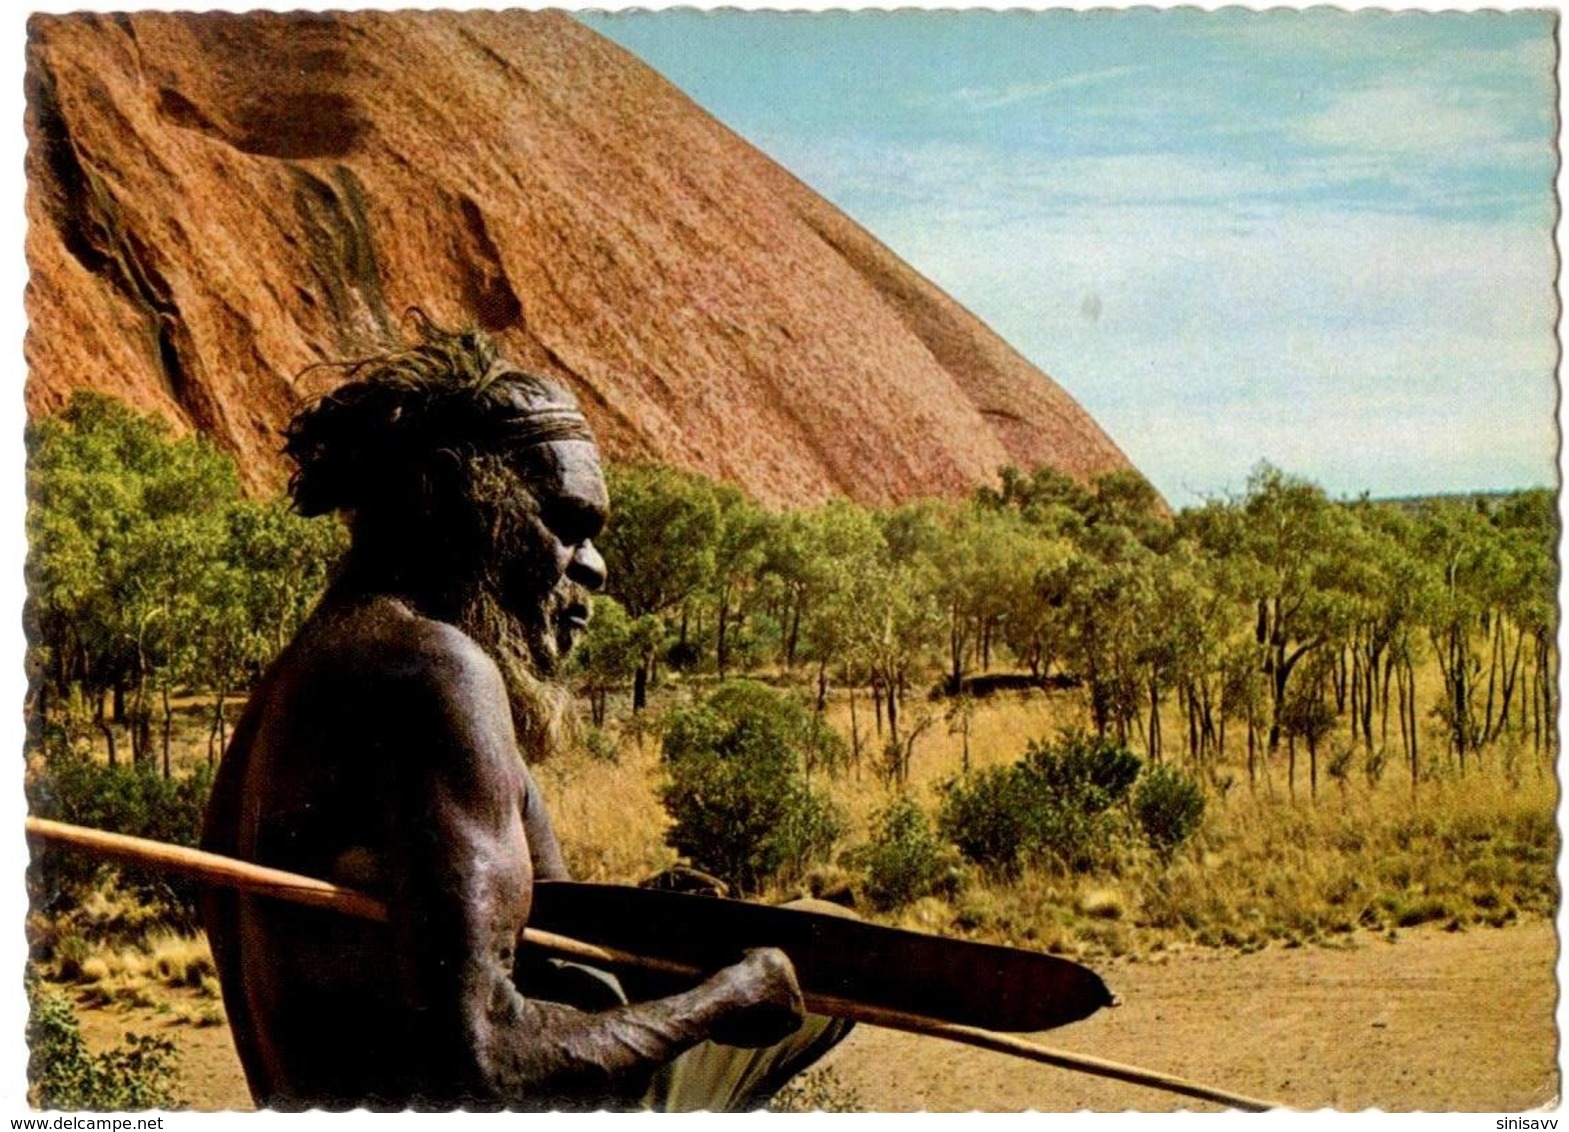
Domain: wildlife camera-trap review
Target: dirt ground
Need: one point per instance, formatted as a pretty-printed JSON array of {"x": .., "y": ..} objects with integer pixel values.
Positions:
[
  {"x": 1438, "y": 1021},
  {"x": 1460, "y": 1021}
]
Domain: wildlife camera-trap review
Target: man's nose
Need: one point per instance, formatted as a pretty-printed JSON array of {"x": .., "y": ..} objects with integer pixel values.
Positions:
[{"x": 587, "y": 568}]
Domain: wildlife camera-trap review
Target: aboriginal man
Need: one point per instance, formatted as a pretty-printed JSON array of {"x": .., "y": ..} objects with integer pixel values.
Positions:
[{"x": 385, "y": 750}]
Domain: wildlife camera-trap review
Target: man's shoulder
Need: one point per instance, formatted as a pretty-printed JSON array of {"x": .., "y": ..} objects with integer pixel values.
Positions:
[
  {"x": 382, "y": 639},
  {"x": 407, "y": 683}
]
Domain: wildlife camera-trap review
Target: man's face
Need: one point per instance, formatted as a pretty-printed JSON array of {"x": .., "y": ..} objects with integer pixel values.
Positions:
[{"x": 556, "y": 567}]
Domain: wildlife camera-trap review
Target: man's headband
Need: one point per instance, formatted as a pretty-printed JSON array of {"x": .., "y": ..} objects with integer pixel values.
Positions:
[
  {"x": 547, "y": 423},
  {"x": 544, "y": 425}
]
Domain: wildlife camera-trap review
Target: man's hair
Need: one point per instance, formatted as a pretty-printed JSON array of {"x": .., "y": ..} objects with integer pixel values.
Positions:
[
  {"x": 417, "y": 450},
  {"x": 449, "y": 394}
]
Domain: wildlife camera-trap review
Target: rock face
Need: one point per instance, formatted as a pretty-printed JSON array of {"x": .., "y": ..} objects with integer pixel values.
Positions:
[{"x": 218, "y": 201}]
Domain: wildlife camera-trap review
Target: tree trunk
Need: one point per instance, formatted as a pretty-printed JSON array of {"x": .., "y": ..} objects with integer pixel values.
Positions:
[
  {"x": 794, "y": 635},
  {"x": 855, "y": 730},
  {"x": 1340, "y": 679},
  {"x": 1383, "y": 734},
  {"x": 1494, "y": 648},
  {"x": 1291, "y": 765},
  {"x": 103, "y": 726},
  {"x": 1544, "y": 648},
  {"x": 1154, "y": 735},
  {"x": 1356, "y": 690},
  {"x": 956, "y": 646},
  {"x": 1511, "y": 675},
  {"x": 1312, "y": 743},
  {"x": 168, "y": 726},
  {"x": 212, "y": 728},
  {"x": 893, "y": 711},
  {"x": 640, "y": 687}
]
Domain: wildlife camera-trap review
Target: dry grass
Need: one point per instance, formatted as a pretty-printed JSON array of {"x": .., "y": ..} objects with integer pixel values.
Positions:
[
  {"x": 1267, "y": 866},
  {"x": 607, "y": 813},
  {"x": 142, "y": 976}
]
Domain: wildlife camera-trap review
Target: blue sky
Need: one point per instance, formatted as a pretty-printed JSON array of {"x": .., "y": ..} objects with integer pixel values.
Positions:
[{"x": 1314, "y": 237}]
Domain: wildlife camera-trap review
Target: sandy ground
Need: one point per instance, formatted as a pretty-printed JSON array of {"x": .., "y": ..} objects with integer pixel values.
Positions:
[
  {"x": 1459, "y": 1021},
  {"x": 1439, "y": 1021}
]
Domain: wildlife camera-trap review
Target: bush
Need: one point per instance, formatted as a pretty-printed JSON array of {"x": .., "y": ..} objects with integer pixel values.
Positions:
[
  {"x": 987, "y": 816},
  {"x": 905, "y": 859},
  {"x": 1053, "y": 807},
  {"x": 1073, "y": 784},
  {"x": 1169, "y": 806},
  {"x": 736, "y": 791},
  {"x": 70, "y": 786},
  {"x": 63, "y": 1075}
]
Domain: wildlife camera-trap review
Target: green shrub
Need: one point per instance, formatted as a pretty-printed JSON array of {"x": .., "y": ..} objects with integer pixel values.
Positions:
[
  {"x": 1054, "y": 807},
  {"x": 1169, "y": 806},
  {"x": 905, "y": 859},
  {"x": 736, "y": 790},
  {"x": 1073, "y": 785},
  {"x": 1089, "y": 768},
  {"x": 987, "y": 816},
  {"x": 138, "y": 1074},
  {"x": 70, "y": 786}
]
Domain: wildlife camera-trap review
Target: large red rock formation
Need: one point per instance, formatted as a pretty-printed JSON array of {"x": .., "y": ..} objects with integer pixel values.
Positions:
[{"x": 218, "y": 201}]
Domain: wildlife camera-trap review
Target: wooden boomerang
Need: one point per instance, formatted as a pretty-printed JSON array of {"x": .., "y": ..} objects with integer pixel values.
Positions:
[{"x": 952, "y": 980}]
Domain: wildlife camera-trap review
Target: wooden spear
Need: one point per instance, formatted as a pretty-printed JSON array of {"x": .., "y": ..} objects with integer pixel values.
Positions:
[{"x": 259, "y": 880}]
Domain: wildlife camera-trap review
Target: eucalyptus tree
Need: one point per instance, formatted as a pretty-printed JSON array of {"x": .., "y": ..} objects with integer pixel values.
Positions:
[
  {"x": 739, "y": 551},
  {"x": 1292, "y": 556},
  {"x": 103, "y": 483},
  {"x": 983, "y": 570},
  {"x": 1528, "y": 522},
  {"x": 658, "y": 549},
  {"x": 1460, "y": 543}
]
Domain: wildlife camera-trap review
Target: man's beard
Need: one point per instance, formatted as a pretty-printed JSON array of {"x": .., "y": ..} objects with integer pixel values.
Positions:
[
  {"x": 515, "y": 608},
  {"x": 527, "y": 652}
]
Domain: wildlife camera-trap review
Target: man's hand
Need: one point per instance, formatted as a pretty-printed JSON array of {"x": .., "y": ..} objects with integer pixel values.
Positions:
[{"x": 769, "y": 1006}]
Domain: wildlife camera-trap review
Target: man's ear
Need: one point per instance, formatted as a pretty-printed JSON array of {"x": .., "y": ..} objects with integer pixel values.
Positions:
[{"x": 445, "y": 477}]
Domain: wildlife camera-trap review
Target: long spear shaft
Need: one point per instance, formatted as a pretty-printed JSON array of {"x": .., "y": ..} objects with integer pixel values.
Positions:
[{"x": 260, "y": 880}]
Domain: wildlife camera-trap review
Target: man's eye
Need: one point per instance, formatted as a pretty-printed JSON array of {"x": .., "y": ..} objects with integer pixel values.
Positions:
[{"x": 574, "y": 525}]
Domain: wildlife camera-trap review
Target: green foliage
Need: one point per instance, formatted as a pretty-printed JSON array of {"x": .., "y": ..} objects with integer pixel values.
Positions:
[
  {"x": 1169, "y": 806},
  {"x": 1073, "y": 783},
  {"x": 736, "y": 790},
  {"x": 1084, "y": 769},
  {"x": 115, "y": 509},
  {"x": 69, "y": 786},
  {"x": 659, "y": 547},
  {"x": 905, "y": 859},
  {"x": 987, "y": 815},
  {"x": 145, "y": 568},
  {"x": 1054, "y": 807},
  {"x": 133, "y": 1076}
]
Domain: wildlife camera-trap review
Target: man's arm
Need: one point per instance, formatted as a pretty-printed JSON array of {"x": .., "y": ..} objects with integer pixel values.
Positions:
[
  {"x": 543, "y": 847},
  {"x": 460, "y": 888}
]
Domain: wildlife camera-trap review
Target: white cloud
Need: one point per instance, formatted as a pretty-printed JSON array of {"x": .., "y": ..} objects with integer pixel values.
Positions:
[
  {"x": 1412, "y": 353},
  {"x": 995, "y": 98},
  {"x": 1412, "y": 118}
]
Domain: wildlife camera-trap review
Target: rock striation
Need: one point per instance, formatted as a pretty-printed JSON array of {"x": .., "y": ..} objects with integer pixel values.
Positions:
[{"x": 218, "y": 201}]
